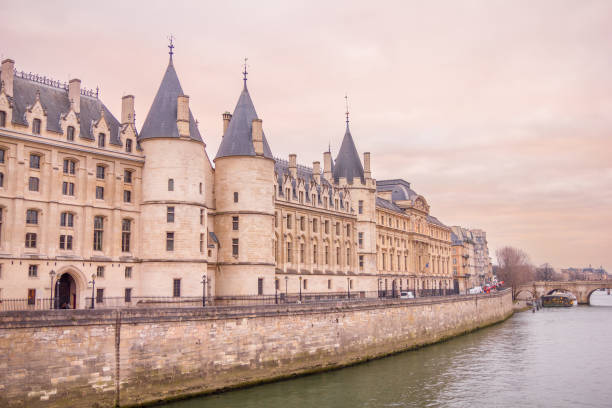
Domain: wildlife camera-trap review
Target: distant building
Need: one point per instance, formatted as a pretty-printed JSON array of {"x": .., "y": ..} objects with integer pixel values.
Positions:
[
  {"x": 589, "y": 273},
  {"x": 471, "y": 256}
]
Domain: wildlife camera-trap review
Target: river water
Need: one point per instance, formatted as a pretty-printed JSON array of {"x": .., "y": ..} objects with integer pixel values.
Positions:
[{"x": 559, "y": 357}]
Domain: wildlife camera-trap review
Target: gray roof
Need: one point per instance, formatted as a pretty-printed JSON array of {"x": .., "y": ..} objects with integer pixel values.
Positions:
[
  {"x": 56, "y": 104},
  {"x": 400, "y": 189},
  {"x": 436, "y": 221},
  {"x": 161, "y": 120},
  {"x": 347, "y": 163},
  {"x": 238, "y": 138},
  {"x": 381, "y": 202}
]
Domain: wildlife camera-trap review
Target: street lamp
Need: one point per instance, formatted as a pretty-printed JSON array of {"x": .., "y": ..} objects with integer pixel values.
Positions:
[
  {"x": 348, "y": 287},
  {"x": 93, "y": 289},
  {"x": 204, "y": 290},
  {"x": 51, "y": 275},
  {"x": 300, "y": 289},
  {"x": 286, "y": 293}
]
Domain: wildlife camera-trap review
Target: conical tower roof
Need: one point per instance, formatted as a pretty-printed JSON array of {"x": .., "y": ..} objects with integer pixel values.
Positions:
[
  {"x": 238, "y": 138},
  {"x": 161, "y": 120},
  {"x": 348, "y": 164}
]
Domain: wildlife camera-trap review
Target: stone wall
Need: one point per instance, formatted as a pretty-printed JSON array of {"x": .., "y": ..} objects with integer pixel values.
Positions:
[{"x": 81, "y": 358}]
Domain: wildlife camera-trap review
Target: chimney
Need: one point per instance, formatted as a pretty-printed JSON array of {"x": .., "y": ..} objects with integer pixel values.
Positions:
[
  {"x": 74, "y": 94},
  {"x": 257, "y": 136},
  {"x": 7, "y": 75},
  {"x": 316, "y": 171},
  {"x": 366, "y": 165},
  {"x": 293, "y": 165},
  {"x": 327, "y": 166},
  {"x": 182, "y": 115},
  {"x": 127, "y": 109},
  {"x": 226, "y": 120}
]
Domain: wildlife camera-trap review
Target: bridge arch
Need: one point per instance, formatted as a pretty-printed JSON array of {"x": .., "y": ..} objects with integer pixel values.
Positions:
[
  {"x": 529, "y": 292},
  {"x": 607, "y": 288}
]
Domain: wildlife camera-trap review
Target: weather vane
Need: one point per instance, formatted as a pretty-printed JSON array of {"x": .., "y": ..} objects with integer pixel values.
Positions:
[
  {"x": 171, "y": 45},
  {"x": 347, "y": 109},
  {"x": 244, "y": 73}
]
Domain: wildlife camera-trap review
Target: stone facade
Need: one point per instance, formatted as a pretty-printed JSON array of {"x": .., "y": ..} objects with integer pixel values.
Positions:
[
  {"x": 107, "y": 358},
  {"x": 86, "y": 199}
]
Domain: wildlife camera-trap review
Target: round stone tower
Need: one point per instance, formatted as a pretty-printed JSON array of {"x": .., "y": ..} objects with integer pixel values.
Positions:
[
  {"x": 244, "y": 197},
  {"x": 173, "y": 211}
]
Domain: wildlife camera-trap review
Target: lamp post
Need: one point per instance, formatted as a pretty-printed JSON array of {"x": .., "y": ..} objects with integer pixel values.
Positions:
[
  {"x": 51, "y": 275},
  {"x": 348, "y": 287},
  {"x": 300, "y": 289},
  {"x": 204, "y": 290},
  {"x": 286, "y": 293},
  {"x": 93, "y": 289}
]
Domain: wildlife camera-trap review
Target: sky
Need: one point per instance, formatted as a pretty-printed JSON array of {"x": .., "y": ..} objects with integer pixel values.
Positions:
[{"x": 498, "y": 112}]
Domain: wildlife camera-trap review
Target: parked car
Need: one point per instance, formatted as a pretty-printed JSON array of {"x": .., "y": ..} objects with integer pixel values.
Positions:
[
  {"x": 406, "y": 295},
  {"x": 475, "y": 290}
]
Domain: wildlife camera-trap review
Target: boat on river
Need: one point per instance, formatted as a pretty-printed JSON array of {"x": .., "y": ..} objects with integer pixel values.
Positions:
[{"x": 559, "y": 299}]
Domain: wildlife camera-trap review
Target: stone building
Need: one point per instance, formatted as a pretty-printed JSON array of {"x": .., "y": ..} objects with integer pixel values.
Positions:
[
  {"x": 471, "y": 261},
  {"x": 90, "y": 204}
]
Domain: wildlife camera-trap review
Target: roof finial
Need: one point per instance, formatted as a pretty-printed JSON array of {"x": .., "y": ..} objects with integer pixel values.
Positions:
[
  {"x": 244, "y": 73},
  {"x": 347, "y": 109},
  {"x": 171, "y": 45}
]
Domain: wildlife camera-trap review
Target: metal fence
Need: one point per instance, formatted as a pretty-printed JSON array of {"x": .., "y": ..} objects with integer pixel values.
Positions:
[{"x": 244, "y": 300}]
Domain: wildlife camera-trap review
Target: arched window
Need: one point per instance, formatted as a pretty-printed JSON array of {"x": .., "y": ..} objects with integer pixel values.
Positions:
[
  {"x": 70, "y": 133},
  {"x": 2, "y": 119},
  {"x": 101, "y": 140},
  {"x": 36, "y": 126},
  {"x": 69, "y": 166},
  {"x": 126, "y": 227},
  {"x": 128, "y": 145},
  {"x": 98, "y": 233}
]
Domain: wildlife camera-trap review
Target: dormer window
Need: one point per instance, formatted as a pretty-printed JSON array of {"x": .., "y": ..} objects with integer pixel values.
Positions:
[
  {"x": 70, "y": 133},
  {"x": 2, "y": 119},
  {"x": 128, "y": 145},
  {"x": 36, "y": 126},
  {"x": 101, "y": 140}
]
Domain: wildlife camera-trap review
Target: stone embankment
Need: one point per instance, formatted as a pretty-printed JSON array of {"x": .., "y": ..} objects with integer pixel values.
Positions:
[{"x": 108, "y": 358}]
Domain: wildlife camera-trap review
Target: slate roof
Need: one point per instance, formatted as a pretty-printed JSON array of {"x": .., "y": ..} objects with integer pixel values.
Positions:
[
  {"x": 400, "y": 189},
  {"x": 348, "y": 163},
  {"x": 436, "y": 221},
  {"x": 381, "y": 202},
  {"x": 161, "y": 119},
  {"x": 238, "y": 138},
  {"x": 56, "y": 104}
]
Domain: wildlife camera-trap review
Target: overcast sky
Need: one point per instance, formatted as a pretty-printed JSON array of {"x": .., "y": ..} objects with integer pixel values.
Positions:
[{"x": 498, "y": 112}]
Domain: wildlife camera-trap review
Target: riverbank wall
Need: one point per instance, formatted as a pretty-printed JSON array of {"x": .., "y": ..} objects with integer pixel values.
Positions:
[{"x": 128, "y": 357}]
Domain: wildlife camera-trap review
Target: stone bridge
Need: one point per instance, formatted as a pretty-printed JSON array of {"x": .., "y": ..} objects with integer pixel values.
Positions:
[{"x": 581, "y": 289}]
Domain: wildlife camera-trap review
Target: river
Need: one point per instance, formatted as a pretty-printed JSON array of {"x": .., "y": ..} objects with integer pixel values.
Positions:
[{"x": 559, "y": 357}]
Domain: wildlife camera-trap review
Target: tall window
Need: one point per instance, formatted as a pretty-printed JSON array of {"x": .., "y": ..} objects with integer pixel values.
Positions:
[
  {"x": 128, "y": 145},
  {"x": 127, "y": 176},
  {"x": 235, "y": 246},
  {"x": 30, "y": 240},
  {"x": 360, "y": 207},
  {"x": 127, "y": 196},
  {"x": 289, "y": 251},
  {"x": 314, "y": 254},
  {"x": 33, "y": 271},
  {"x": 235, "y": 223},
  {"x": 1, "y": 222},
  {"x": 69, "y": 166},
  {"x": 126, "y": 227},
  {"x": 67, "y": 188},
  {"x": 98, "y": 233},
  {"x": 34, "y": 161},
  {"x": 337, "y": 255},
  {"x": 337, "y": 228},
  {"x": 176, "y": 288},
  {"x": 327, "y": 226},
  {"x": 302, "y": 223},
  {"x": 70, "y": 134},
  {"x": 360, "y": 239},
  {"x": 315, "y": 225},
  {"x": 100, "y": 170},
  {"x": 2, "y": 119},
  {"x": 36, "y": 126},
  {"x": 99, "y": 295},
  {"x": 65, "y": 242},
  {"x": 260, "y": 286},
  {"x": 170, "y": 184},
  {"x": 101, "y": 140},
  {"x": 66, "y": 219},
  {"x": 201, "y": 216},
  {"x": 301, "y": 253},
  {"x": 31, "y": 297},
  {"x": 201, "y": 243},
  {"x": 99, "y": 192},
  {"x": 31, "y": 217},
  {"x": 289, "y": 221},
  {"x": 326, "y": 255},
  {"x": 2, "y": 155},
  {"x": 169, "y": 241},
  {"x": 360, "y": 261},
  {"x": 170, "y": 214},
  {"x": 235, "y": 196},
  {"x": 128, "y": 295},
  {"x": 1, "y": 179},
  {"x": 128, "y": 272},
  {"x": 348, "y": 256}
]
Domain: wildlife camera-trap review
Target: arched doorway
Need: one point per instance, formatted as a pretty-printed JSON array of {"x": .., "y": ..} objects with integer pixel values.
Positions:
[{"x": 66, "y": 292}]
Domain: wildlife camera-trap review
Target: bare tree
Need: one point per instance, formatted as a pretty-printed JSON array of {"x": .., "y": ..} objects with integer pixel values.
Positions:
[
  {"x": 514, "y": 267},
  {"x": 545, "y": 273}
]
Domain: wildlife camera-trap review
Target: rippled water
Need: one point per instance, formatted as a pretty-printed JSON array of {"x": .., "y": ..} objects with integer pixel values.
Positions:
[{"x": 553, "y": 358}]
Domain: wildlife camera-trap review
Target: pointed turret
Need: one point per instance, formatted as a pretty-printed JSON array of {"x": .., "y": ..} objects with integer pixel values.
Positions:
[
  {"x": 162, "y": 118},
  {"x": 348, "y": 163},
  {"x": 238, "y": 138}
]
